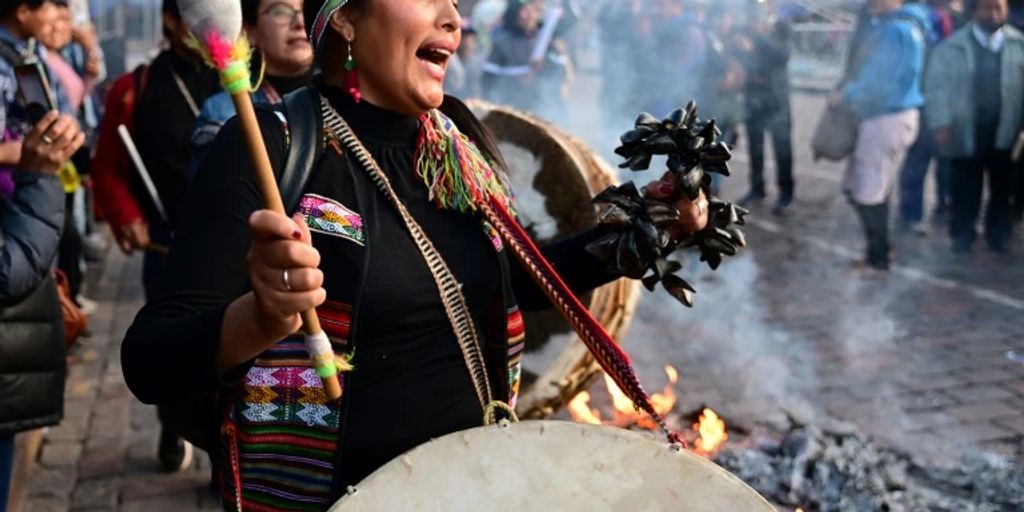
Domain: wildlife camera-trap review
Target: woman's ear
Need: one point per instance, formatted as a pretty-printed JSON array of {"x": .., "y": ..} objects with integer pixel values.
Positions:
[{"x": 341, "y": 22}]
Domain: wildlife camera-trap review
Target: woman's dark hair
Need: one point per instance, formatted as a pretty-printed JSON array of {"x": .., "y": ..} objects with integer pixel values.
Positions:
[
  {"x": 8, "y": 7},
  {"x": 331, "y": 41},
  {"x": 171, "y": 7},
  {"x": 310, "y": 8},
  {"x": 251, "y": 11},
  {"x": 510, "y": 21},
  {"x": 477, "y": 132}
]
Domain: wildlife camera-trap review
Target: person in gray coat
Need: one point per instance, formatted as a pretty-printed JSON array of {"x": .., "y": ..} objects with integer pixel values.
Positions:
[
  {"x": 975, "y": 106},
  {"x": 31, "y": 327}
]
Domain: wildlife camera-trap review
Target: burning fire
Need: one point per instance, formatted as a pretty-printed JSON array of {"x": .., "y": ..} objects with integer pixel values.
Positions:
[
  {"x": 710, "y": 428},
  {"x": 712, "y": 433},
  {"x": 625, "y": 414}
]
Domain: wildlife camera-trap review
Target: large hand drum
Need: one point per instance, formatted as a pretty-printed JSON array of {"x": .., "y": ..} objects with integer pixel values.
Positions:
[
  {"x": 541, "y": 466},
  {"x": 555, "y": 176}
]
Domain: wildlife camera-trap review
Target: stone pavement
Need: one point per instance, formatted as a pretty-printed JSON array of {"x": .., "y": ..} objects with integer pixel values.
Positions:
[
  {"x": 917, "y": 359},
  {"x": 103, "y": 456}
]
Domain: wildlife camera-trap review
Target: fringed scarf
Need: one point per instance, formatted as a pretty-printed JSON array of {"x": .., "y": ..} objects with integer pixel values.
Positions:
[{"x": 455, "y": 171}]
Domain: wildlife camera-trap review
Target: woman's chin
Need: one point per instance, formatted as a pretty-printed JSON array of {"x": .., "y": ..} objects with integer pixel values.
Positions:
[{"x": 431, "y": 98}]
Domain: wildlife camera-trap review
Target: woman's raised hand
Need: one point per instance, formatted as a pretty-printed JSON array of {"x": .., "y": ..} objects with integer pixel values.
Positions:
[
  {"x": 693, "y": 215},
  {"x": 283, "y": 270}
]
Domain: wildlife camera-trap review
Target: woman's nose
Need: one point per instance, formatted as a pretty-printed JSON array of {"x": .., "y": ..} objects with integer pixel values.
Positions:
[{"x": 451, "y": 20}]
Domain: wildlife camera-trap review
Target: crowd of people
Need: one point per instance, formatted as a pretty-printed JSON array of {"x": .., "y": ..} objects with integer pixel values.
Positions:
[
  {"x": 935, "y": 81},
  {"x": 736, "y": 67},
  {"x": 929, "y": 82},
  {"x": 60, "y": 172}
]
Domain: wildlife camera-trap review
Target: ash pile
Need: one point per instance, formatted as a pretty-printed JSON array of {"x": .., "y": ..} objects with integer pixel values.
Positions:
[{"x": 842, "y": 471}]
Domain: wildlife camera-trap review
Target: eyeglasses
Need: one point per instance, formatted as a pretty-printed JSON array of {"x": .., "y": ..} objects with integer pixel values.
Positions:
[{"x": 283, "y": 14}]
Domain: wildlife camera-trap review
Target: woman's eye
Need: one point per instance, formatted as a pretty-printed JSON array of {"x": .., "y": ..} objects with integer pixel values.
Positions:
[{"x": 280, "y": 11}]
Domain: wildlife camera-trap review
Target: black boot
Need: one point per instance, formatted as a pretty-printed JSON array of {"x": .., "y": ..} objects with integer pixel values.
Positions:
[
  {"x": 784, "y": 201},
  {"x": 875, "y": 220}
]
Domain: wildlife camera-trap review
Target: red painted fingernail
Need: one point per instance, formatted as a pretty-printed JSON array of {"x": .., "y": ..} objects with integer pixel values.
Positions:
[
  {"x": 297, "y": 234},
  {"x": 666, "y": 188}
]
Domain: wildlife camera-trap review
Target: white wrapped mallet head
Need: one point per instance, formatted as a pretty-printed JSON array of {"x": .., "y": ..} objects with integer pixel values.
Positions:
[{"x": 201, "y": 17}]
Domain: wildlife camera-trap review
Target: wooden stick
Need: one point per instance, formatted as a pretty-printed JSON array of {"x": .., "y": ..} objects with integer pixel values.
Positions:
[
  {"x": 157, "y": 249},
  {"x": 272, "y": 196}
]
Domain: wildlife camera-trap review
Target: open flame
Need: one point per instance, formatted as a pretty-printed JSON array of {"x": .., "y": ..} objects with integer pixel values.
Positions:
[
  {"x": 712, "y": 433},
  {"x": 579, "y": 409},
  {"x": 710, "y": 430},
  {"x": 625, "y": 414}
]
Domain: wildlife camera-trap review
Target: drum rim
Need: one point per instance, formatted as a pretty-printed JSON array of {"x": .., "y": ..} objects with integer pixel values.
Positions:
[{"x": 544, "y": 426}]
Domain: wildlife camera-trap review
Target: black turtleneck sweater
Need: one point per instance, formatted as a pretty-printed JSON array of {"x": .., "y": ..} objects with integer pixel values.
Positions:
[{"x": 410, "y": 382}]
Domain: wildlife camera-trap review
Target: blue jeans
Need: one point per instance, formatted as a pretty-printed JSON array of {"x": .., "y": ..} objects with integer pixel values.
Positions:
[
  {"x": 6, "y": 466},
  {"x": 913, "y": 174}
]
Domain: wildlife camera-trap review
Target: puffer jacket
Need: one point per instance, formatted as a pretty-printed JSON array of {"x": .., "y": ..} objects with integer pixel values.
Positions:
[{"x": 32, "y": 368}]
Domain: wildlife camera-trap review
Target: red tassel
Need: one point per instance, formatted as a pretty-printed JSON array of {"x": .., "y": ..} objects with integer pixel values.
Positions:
[{"x": 352, "y": 85}]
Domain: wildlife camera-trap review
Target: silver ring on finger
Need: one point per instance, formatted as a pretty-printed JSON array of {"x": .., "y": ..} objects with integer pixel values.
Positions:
[
  {"x": 286, "y": 281},
  {"x": 47, "y": 139}
]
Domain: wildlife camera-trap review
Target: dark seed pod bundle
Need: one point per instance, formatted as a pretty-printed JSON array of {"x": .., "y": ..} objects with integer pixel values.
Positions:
[{"x": 638, "y": 243}]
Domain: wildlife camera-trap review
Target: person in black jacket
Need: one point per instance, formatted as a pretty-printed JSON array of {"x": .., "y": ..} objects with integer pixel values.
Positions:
[
  {"x": 765, "y": 55},
  {"x": 177, "y": 84},
  {"x": 31, "y": 329}
]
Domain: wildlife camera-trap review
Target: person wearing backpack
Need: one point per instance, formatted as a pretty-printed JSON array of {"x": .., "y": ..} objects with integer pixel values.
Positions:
[
  {"x": 884, "y": 90},
  {"x": 159, "y": 104}
]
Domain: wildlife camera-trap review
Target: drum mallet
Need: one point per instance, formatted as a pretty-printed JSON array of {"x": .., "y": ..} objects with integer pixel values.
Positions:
[{"x": 216, "y": 33}]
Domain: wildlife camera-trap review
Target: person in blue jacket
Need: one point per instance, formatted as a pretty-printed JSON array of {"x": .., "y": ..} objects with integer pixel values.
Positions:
[{"x": 884, "y": 89}]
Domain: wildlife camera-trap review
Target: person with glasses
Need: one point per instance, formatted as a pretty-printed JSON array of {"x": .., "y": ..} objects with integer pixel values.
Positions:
[{"x": 283, "y": 59}]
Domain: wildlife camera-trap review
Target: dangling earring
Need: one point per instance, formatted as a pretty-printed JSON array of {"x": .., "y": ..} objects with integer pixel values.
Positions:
[{"x": 352, "y": 77}]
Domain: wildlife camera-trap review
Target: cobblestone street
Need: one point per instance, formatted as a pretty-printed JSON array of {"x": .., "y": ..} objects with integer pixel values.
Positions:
[
  {"x": 916, "y": 358},
  {"x": 103, "y": 456}
]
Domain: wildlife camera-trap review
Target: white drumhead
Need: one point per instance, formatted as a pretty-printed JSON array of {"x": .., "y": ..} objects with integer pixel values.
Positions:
[{"x": 551, "y": 466}]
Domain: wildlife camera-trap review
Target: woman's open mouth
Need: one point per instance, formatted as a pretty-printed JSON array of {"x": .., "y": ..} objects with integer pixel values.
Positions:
[{"x": 434, "y": 60}]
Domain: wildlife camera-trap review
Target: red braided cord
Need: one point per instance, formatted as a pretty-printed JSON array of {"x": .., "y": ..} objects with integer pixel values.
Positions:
[
  {"x": 236, "y": 470},
  {"x": 615, "y": 362}
]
